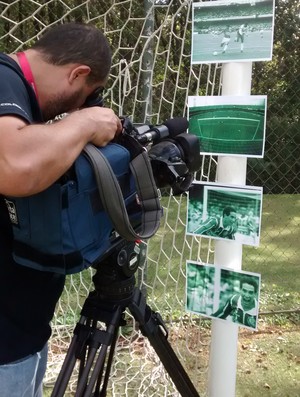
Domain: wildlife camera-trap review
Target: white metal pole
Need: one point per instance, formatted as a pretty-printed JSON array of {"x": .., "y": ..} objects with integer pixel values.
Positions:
[{"x": 236, "y": 80}]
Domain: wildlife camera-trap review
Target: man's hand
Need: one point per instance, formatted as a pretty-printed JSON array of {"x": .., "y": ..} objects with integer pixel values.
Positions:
[{"x": 102, "y": 124}]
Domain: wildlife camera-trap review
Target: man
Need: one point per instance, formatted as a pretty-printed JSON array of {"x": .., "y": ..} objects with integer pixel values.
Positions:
[
  {"x": 248, "y": 224},
  {"x": 251, "y": 226},
  {"x": 242, "y": 307},
  {"x": 226, "y": 39},
  {"x": 217, "y": 226},
  {"x": 63, "y": 69},
  {"x": 240, "y": 37},
  {"x": 199, "y": 296}
]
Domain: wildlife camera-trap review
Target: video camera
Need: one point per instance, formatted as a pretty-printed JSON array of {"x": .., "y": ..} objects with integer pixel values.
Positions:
[
  {"x": 174, "y": 154},
  {"x": 174, "y": 157},
  {"x": 109, "y": 197}
]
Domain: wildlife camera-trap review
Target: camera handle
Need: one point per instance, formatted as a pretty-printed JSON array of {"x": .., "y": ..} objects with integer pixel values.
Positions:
[{"x": 94, "y": 346}]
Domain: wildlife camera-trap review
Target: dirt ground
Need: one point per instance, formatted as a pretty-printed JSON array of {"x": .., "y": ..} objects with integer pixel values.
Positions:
[{"x": 269, "y": 362}]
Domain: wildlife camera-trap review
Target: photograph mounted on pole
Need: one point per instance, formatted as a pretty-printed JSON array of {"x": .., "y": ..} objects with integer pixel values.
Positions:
[
  {"x": 229, "y": 125},
  {"x": 221, "y": 293},
  {"x": 225, "y": 212},
  {"x": 232, "y": 31}
]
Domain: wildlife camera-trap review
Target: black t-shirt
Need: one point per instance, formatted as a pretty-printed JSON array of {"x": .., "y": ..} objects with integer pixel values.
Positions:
[{"x": 27, "y": 296}]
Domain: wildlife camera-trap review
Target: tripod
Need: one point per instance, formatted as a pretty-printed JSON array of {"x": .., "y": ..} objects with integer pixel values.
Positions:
[{"x": 94, "y": 347}]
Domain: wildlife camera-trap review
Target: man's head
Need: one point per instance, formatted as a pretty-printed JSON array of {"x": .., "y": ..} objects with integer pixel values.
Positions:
[
  {"x": 76, "y": 60},
  {"x": 229, "y": 216},
  {"x": 248, "y": 292}
]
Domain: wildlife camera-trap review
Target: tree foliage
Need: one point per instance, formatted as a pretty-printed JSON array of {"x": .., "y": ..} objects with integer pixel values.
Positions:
[
  {"x": 156, "y": 43},
  {"x": 279, "y": 79}
]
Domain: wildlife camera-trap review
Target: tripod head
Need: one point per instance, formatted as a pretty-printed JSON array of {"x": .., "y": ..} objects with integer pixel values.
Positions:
[{"x": 114, "y": 279}]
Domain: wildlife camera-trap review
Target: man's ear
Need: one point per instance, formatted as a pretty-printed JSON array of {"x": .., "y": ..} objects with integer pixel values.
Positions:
[{"x": 79, "y": 72}]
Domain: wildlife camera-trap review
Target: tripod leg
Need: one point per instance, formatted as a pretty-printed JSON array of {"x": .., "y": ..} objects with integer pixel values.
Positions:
[
  {"x": 66, "y": 370},
  {"x": 85, "y": 335},
  {"x": 83, "y": 379},
  {"x": 111, "y": 335},
  {"x": 108, "y": 368},
  {"x": 152, "y": 326}
]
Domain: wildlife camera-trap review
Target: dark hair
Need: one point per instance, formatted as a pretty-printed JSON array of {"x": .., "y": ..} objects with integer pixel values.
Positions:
[
  {"x": 77, "y": 43},
  {"x": 228, "y": 210},
  {"x": 250, "y": 281}
]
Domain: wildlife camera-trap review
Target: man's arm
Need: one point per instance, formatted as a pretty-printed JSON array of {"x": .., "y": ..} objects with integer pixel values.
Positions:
[
  {"x": 205, "y": 226},
  {"x": 224, "y": 312},
  {"x": 232, "y": 230},
  {"x": 32, "y": 157}
]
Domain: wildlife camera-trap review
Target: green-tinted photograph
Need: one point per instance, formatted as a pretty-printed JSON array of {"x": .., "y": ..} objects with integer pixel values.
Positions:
[
  {"x": 229, "y": 125},
  {"x": 222, "y": 293},
  {"x": 237, "y": 296},
  {"x": 225, "y": 212},
  {"x": 225, "y": 31},
  {"x": 199, "y": 288}
]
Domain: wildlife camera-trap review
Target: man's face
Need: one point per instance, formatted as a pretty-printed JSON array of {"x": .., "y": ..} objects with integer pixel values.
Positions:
[
  {"x": 67, "y": 101},
  {"x": 248, "y": 295},
  {"x": 229, "y": 220}
]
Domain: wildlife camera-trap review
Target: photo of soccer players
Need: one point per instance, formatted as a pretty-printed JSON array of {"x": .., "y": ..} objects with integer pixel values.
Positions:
[
  {"x": 221, "y": 293},
  {"x": 224, "y": 31},
  {"x": 225, "y": 212}
]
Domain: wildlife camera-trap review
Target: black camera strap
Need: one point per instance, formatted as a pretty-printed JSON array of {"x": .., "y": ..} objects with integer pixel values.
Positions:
[{"x": 112, "y": 198}]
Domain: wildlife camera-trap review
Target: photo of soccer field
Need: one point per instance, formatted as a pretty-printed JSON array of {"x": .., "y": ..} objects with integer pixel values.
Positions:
[
  {"x": 229, "y": 125},
  {"x": 225, "y": 31}
]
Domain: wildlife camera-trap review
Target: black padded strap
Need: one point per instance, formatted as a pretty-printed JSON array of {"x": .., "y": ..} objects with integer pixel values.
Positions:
[{"x": 112, "y": 198}]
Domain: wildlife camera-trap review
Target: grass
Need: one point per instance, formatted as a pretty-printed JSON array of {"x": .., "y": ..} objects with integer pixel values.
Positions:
[{"x": 277, "y": 257}]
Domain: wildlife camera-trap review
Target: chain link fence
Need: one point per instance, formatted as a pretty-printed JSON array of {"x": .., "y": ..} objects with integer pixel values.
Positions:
[
  {"x": 279, "y": 79},
  {"x": 150, "y": 81}
]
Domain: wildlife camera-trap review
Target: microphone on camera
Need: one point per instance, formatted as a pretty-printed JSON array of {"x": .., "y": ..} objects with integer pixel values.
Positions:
[{"x": 170, "y": 128}]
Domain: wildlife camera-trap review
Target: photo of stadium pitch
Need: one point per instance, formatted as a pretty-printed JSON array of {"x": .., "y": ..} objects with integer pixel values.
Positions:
[
  {"x": 229, "y": 125},
  {"x": 229, "y": 31}
]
